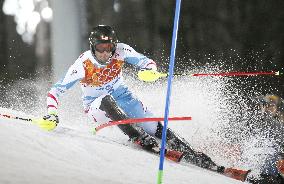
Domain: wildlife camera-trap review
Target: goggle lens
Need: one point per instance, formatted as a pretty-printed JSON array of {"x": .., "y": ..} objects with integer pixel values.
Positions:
[{"x": 102, "y": 47}]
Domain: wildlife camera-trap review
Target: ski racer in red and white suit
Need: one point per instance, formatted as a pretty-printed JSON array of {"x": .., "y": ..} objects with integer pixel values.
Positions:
[
  {"x": 99, "y": 72},
  {"x": 98, "y": 80}
]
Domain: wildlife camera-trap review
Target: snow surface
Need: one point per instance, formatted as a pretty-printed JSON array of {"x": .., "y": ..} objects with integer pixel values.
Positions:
[
  {"x": 29, "y": 155},
  {"x": 71, "y": 154}
]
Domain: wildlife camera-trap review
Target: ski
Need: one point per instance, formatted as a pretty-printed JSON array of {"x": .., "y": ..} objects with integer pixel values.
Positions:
[{"x": 179, "y": 157}]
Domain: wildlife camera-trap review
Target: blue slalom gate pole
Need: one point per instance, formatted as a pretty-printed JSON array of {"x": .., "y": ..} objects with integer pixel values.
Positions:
[{"x": 169, "y": 89}]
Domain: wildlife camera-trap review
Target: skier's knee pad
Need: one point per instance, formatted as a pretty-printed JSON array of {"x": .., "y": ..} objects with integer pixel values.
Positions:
[
  {"x": 112, "y": 110},
  {"x": 115, "y": 113}
]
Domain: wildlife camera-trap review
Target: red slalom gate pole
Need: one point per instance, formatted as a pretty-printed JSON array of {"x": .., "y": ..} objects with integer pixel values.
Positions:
[{"x": 138, "y": 120}]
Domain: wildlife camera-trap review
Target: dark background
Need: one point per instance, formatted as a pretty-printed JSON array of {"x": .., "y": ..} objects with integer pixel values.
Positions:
[{"x": 235, "y": 35}]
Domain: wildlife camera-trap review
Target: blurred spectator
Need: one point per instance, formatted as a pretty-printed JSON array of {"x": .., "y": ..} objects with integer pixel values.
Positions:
[{"x": 272, "y": 106}]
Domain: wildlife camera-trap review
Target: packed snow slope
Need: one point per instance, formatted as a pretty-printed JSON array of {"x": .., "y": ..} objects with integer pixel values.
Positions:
[{"x": 71, "y": 154}]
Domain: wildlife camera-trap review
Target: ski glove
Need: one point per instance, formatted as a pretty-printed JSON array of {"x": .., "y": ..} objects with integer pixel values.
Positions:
[
  {"x": 48, "y": 122},
  {"x": 147, "y": 75}
]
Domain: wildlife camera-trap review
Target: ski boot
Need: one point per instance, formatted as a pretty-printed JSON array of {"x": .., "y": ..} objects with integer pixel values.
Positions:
[{"x": 146, "y": 141}]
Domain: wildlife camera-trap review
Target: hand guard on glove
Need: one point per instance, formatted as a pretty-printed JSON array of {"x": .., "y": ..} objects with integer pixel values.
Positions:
[
  {"x": 48, "y": 122},
  {"x": 150, "y": 75}
]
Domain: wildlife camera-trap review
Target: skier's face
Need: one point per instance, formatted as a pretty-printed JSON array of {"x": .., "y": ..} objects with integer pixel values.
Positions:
[{"x": 103, "y": 52}]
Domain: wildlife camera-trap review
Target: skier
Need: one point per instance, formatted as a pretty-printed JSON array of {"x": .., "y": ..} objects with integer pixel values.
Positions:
[{"x": 99, "y": 71}]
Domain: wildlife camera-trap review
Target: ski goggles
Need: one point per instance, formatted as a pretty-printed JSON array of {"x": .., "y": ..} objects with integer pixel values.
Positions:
[{"x": 105, "y": 47}]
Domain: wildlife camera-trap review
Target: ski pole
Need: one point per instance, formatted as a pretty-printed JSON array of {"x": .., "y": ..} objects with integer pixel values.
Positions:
[
  {"x": 150, "y": 76},
  {"x": 16, "y": 117},
  {"x": 236, "y": 74},
  {"x": 42, "y": 123}
]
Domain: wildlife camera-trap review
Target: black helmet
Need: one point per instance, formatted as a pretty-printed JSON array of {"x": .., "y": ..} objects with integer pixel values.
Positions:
[{"x": 102, "y": 34}]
